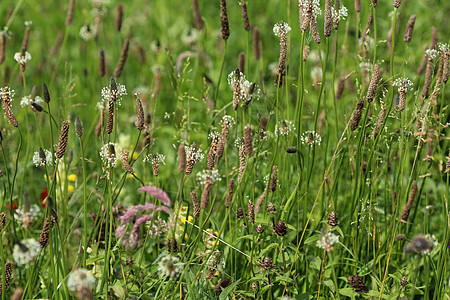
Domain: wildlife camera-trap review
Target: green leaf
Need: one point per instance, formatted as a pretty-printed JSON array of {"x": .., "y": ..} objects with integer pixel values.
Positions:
[
  {"x": 312, "y": 239},
  {"x": 228, "y": 290},
  {"x": 118, "y": 291},
  {"x": 268, "y": 248}
]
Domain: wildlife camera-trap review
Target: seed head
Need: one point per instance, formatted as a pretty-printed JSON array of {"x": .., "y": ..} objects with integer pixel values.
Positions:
[
  {"x": 119, "y": 16},
  {"x": 280, "y": 228},
  {"x": 333, "y": 219},
  {"x": 397, "y": 3},
  {"x": 230, "y": 192},
  {"x": 181, "y": 158},
  {"x": 78, "y": 127},
  {"x": 373, "y": 84},
  {"x": 197, "y": 16},
  {"x": 225, "y": 26},
  {"x": 256, "y": 43},
  {"x": 62, "y": 142},
  {"x": 122, "y": 59},
  {"x": 357, "y": 283},
  {"x": 409, "y": 29},
  {"x": 409, "y": 204},
  {"x": 196, "y": 205},
  {"x": 245, "y": 16}
]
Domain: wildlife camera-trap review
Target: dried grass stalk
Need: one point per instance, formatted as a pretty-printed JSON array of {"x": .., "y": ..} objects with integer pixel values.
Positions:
[{"x": 197, "y": 16}]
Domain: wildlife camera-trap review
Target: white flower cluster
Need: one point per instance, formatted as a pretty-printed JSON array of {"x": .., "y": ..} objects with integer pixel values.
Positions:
[
  {"x": 285, "y": 128},
  {"x": 157, "y": 69},
  {"x": 238, "y": 142},
  {"x": 313, "y": 5},
  {"x": 194, "y": 153},
  {"x": 28, "y": 23},
  {"x": 326, "y": 241},
  {"x": 80, "y": 280},
  {"x": 190, "y": 36},
  {"x": 106, "y": 93},
  {"x": 403, "y": 83},
  {"x": 169, "y": 266},
  {"x": 281, "y": 28},
  {"x": 342, "y": 13},
  {"x": 213, "y": 135},
  {"x": 6, "y": 91},
  {"x": 248, "y": 90},
  {"x": 310, "y": 138},
  {"x": 22, "y": 59},
  {"x": 26, "y": 251},
  {"x": 27, "y": 217},
  {"x": 229, "y": 120},
  {"x": 443, "y": 47},
  {"x": 86, "y": 32},
  {"x": 432, "y": 53},
  {"x": 155, "y": 158},
  {"x": 206, "y": 175},
  {"x": 26, "y": 100},
  {"x": 5, "y": 32},
  {"x": 38, "y": 162},
  {"x": 108, "y": 154}
]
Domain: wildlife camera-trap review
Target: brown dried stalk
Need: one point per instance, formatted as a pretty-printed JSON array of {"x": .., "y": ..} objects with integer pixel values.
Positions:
[
  {"x": 197, "y": 16},
  {"x": 69, "y": 16}
]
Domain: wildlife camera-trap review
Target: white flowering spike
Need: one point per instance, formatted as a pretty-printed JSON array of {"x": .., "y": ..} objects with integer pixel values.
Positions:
[
  {"x": 155, "y": 158},
  {"x": 281, "y": 28},
  {"x": 247, "y": 90},
  {"x": 312, "y": 5},
  {"x": 341, "y": 14},
  {"x": 110, "y": 154},
  {"x": 118, "y": 94},
  {"x": 403, "y": 83},
  {"x": 194, "y": 153},
  {"x": 228, "y": 120},
  {"x": 27, "y": 216},
  {"x": 26, "y": 251},
  {"x": 238, "y": 142},
  {"x": 38, "y": 161},
  {"x": 443, "y": 47},
  {"x": 310, "y": 138},
  {"x": 22, "y": 58},
  {"x": 284, "y": 128},
  {"x": 205, "y": 175},
  {"x": 86, "y": 32},
  {"x": 7, "y": 92},
  {"x": 431, "y": 53},
  {"x": 26, "y": 101}
]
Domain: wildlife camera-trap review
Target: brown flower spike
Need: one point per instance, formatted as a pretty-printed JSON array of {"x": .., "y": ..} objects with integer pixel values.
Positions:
[{"x": 62, "y": 142}]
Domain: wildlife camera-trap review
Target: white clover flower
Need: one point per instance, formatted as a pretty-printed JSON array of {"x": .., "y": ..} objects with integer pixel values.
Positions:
[
  {"x": 169, "y": 266},
  {"x": 22, "y": 59},
  {"x": 285, "y": 128},
  {"x": 117, "y": 94},
  {"x": 281, "y": 28},
  {"x": 80, "y": 281},
  {"x": 432, "y": 53},
  {"x": 228, "y": 120},
  {"x": 26, "y": 251},
  {"x": 38, "y": 161},
  {"x": 7, "y": 92},
  {"x": 310, "y": 138},
  {"x": 208, "y": 175},
  {"x": 108, "y": 154},
  {"x": 26, "y": 100},
  {"x": 342, "y": 13},
  {"x": 155, "y": 158},
  {"x": 247, "y": 90},
  {"x": 403, "y": 83},
  {"x": 26, "y": 217},
  {"x": 194, "y": 153},
  {"x": 86, "y": 32},
  {"x": 326, "y": 241},
  {"x": 313, "y": 5}
]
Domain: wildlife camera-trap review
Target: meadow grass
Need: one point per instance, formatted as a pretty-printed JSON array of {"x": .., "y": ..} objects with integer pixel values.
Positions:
[{"x": 224, "y": 150}]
